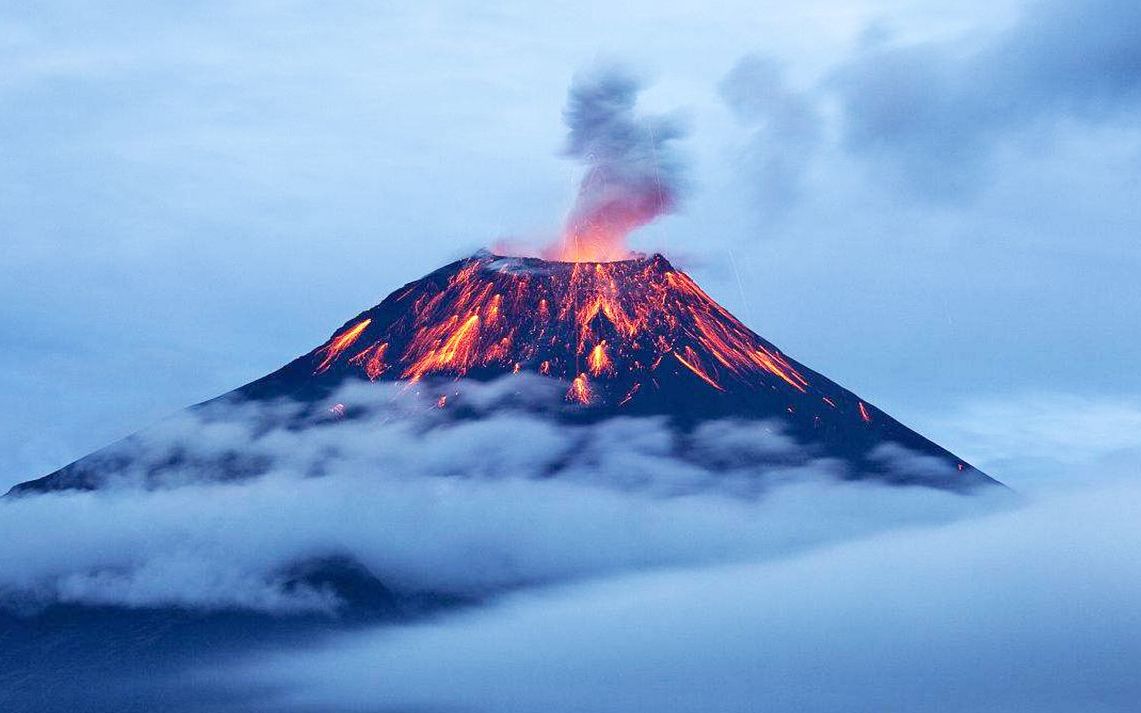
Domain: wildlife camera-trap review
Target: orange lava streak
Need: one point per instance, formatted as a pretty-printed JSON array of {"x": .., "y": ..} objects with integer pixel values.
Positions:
[
  {"x": 630, "y": 394},
  {"x": 612, "y": 323},
  {"x": 373, "y": 360},
  {"x": 498, "y": 352},
  {"x": 598, "y": 361},
  {"x": 697, "y": 370},
  {"x": 579, "y": 390},
  {"x": 340, "y": 343},
  {"x": 864, "y": 413},
  {"x": 738, "y": 350},
  {"x": 455, "y": 353},
  {"x": 493, "y": 308},
  {"x": 777, "y": 364},
  {"x": 610, "y": 309}
]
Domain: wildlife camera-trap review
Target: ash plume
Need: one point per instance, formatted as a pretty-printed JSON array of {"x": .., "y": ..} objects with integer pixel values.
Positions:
[{"x": 633, "y": 173}]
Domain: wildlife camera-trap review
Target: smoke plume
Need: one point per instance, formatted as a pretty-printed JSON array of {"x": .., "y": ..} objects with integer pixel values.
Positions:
[{"x": 633, "y": 173}]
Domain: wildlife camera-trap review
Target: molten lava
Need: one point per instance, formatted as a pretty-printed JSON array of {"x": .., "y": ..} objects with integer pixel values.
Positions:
[
  {"x": 340, "y": 343},
  {"x": 594, "y": 241},
  {"x": 598, "y": 361},
  {"x": 579, "y": 390},
  {"x": 612, "y": 331}
]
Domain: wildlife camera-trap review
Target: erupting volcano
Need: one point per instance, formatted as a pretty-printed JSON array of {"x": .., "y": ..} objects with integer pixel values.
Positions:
[
  {"x": 626, "y": 336},
  {"x": 634, "y": 338},
  {"x": 615, "y": 331}
]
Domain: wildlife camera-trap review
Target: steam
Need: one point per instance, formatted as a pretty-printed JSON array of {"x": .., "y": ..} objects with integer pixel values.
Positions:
[{"x": 633, "y": 173}]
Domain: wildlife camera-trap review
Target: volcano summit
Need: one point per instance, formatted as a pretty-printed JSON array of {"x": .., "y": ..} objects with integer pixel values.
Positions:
[{"x": 631, "y": 338}]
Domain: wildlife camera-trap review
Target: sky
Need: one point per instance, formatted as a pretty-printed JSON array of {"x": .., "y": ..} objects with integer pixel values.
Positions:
[{"x": 933, "y": 204}]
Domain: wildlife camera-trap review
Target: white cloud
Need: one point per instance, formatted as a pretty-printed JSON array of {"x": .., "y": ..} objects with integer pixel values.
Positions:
[
  {"x": 429, "y": 503},
  {"x": 1032, "y": 609}
]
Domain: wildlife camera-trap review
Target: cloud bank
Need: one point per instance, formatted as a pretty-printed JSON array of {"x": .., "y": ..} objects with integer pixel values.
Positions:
[
  {"x": 625, "y": 577},
  {"x": 1031, "y": 609},
  {"x": 218, "y": 506}
]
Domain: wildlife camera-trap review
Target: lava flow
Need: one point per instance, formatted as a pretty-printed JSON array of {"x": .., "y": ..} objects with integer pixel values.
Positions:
[{"x": 616, "y": 333}]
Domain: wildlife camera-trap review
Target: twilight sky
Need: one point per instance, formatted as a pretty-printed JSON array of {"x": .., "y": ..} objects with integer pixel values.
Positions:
[{"x": 935, "y": 204}]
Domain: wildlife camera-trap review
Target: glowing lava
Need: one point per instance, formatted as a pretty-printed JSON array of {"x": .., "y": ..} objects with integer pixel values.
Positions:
[
  {"x": 598, "y": 361},
  {"x": 611, "y": 330},
  {"x": 579, "y": 390},
  {"x": 587, "y": 242},
  {"x": 340, "y": 343}
]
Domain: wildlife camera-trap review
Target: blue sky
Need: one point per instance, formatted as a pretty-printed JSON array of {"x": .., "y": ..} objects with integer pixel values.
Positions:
[{"x": 934, "y": 204}]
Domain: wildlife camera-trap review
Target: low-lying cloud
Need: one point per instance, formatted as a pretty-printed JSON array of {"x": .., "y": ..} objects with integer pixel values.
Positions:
[
  {"x": 1031, "y": 609},
  {"x": 428, "y": 502},
  {"x": 625, "y": 578}
]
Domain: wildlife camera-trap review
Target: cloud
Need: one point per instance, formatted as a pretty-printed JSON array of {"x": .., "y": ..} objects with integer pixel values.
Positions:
[
  {"x": 937, "y": 112},
  {"x": 1031, "y": 609},
  {"x": 932, "y": 116},
  {"x": 904, "y": 463},
  {"x": 215, "y": 508},
  {"x": 604, "y": 572},
  {"x": 786, "y": 125}
]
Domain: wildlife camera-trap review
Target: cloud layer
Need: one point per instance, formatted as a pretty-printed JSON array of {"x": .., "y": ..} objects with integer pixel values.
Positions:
[
  {"x": 1033, "y": 609},
  {"x": 628, "y": 580},
  {"x": 428, "y": 503}
]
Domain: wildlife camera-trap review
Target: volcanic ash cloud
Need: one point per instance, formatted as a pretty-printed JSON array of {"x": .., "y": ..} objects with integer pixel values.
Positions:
[{"x": 633, "y": 172}]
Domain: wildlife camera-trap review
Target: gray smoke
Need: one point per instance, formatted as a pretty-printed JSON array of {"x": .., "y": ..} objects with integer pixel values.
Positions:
[{"x": 633, "y": 173}]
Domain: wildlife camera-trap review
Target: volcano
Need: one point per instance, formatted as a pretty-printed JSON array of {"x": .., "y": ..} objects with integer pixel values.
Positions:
[{"x": 630, "y": 338}]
